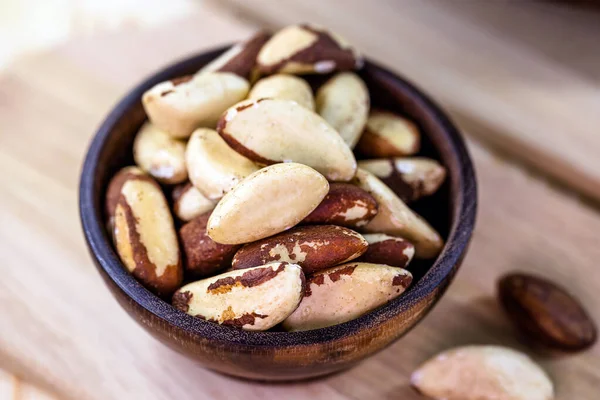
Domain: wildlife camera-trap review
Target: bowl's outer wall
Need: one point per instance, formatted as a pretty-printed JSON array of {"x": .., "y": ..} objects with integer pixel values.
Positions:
[{"x": 283, "y": 355}]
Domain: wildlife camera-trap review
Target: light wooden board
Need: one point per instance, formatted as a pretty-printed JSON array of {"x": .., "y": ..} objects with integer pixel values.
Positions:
[
  {"x": 61, "y": 329},
  {"x": 13, "y": 388},
  {"x": 523, "y": 76}
]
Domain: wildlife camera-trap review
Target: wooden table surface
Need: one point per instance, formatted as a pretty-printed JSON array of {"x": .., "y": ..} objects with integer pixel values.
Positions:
[{"x": 521, "y": 79}]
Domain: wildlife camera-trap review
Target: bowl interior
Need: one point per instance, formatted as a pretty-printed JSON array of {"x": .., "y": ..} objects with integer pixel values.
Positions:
[{"x": 451, "y": 210}]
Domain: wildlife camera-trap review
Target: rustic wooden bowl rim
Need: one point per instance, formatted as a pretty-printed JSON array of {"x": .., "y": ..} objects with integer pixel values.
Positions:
[{"x": 100, "y": 247}]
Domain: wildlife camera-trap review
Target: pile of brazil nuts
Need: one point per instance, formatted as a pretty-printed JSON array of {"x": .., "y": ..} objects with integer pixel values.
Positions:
[{"x": 270, "y": 219}]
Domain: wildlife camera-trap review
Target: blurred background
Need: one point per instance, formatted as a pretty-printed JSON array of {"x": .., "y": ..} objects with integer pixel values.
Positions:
[
  {"x": 27, "y": 26},
  {"x": 521, "y": 78}
]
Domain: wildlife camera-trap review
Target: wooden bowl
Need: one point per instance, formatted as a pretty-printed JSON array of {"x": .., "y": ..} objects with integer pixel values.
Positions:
[{"x": 284, "y": 355}]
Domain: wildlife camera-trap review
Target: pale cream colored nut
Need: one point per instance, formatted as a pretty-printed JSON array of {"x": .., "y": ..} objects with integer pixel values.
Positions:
[
  {"x": 345, "y": 205},
  {"x": 307, "y": 49},
  {"x": 160, "y": 155},
  {"x": 267, "y": 202},
  {"x": 344, "y": 102},
  {"x": 482, "y": 373},
  {"x": 239, "y": 59},
  {"x": 179, "y": 107},
  {"x": 346, "y": 292},
  {"x": 389, "y": 135},
  {"x": 396, "y": 219},
  {"x": 189, "y": 202},
  {"x": 411, "y": 178},
  {"x": 388, "y": 250},
  {"x": 253, "y": 299},
  {"x": 270, "y": 131},
  {"x": 203, "y": 256},
  {"x": 284, "y": 87},
  {"x": 314, "y": 248},
  {"x": 214, "y": 167},
  {"x": 143, "y": 231}
]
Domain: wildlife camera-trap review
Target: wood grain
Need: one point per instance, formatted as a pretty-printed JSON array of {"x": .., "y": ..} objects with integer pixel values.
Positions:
[
  {"x": 521, "y": 76},
  {"x": 61, "y": 329},
  {"x": 13, "y": 388}
]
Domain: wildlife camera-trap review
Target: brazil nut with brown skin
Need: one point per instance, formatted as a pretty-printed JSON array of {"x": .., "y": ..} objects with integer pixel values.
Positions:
[
  {"x": 178, "y": 107},
  {"x": 411, "y": 178},
  {"x": 143, "y": 231},
  {"x": 239, "y": 59},
  {"x": 345, "y": 205},
  {"x": 269, "y": 131},
  {"x": 253, "y": 299},
  {"x": 314, "y": 248},
  {"x": 388, "y": 135},
  {"x": 307, "y": 49},
  {"x": 388, "y": 250},
  {"x": 203, "y": 256},
  {"x": 346, "y": 292},
  {"x": 546, "y": 313},
  {"x": 113, "y": 192},
  {"x": 395, "y": 218}
]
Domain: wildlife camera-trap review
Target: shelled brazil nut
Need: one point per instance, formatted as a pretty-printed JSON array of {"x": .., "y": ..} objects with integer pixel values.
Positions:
[
  {"x": 253, "y": 299},
  {"x": 411, "y": 178},
  {"x": 269, "y": 131},
  {"x": 345, "y": 205},
  {"x": 389, "y": 135},
  {"x": 214, "y": 168},
  {"x": 312, "y": 247},
  {"x": 284, "y": 87},
  {"x": 345, "y": 292},
  {"x": 143, "y": 230},
  {"x": 203, "y": 256},
  {"x": 189, "y": 202},
  {"x": 306, "y": 49},
  {"x": 239, "y": 59},
  {"x": 180, "y": 106},
  {"x": 275, "y": 223},
  {"x": 395, "y": 218},
  {"x": 160, "y": 155},
  {"x": 267, "y": 202},
  {"x": 388, "y": 250},
  {"x": 344, "y": 102},
  {"x": 548, "y": 314},
  {"x": 482, "y": 372}
]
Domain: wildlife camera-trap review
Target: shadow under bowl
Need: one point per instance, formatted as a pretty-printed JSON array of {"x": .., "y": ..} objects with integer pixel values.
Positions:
[{"x": 286, "y": 355}]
